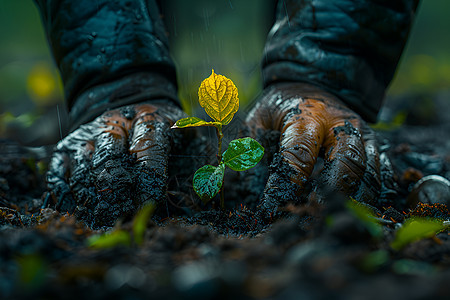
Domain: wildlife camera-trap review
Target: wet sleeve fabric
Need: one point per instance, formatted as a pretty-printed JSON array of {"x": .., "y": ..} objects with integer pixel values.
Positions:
[
  {"x": 109, "y": 53},
  {"x": 349, "y": 47}
]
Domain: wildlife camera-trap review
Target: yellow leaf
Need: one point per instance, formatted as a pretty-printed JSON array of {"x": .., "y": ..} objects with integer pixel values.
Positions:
[{"x": 219, "y": 97}]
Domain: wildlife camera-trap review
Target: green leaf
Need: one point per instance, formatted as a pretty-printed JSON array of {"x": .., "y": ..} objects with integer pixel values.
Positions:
[
  {"x": 208, "y": 181},
  {"x": 140, "y": 221},
  {"x": 243, "y": 154},
  {"x": 193, "y": 122},
  {"x": 110, "y": 239},
  {"x": 366, "y": 216},
  {"x": 416, "y": 229}
]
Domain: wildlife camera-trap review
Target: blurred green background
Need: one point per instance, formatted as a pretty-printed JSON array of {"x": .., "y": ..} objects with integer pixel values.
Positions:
[{"x": 227, "y": 35}]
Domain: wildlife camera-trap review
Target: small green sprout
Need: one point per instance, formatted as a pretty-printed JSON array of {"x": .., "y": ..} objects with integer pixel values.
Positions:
[
  {"x": 415, "y": 229},
  {"x": 122, "y": 237},
  {"x": 219, "y": 97}
]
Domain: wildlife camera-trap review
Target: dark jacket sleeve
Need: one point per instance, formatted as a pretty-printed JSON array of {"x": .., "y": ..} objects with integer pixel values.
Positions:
[
  {"x": 109, "y": 53},
  {"x": 349, "y": 47}
]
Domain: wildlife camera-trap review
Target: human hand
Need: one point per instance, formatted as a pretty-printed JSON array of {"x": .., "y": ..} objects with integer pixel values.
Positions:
[
  {"x": 314, "y": 123},
  {"x": 109, "y": 167}
]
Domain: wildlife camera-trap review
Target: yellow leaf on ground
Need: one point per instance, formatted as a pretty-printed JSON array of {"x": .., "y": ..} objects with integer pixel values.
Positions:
[{"x": 219, "y": 97}]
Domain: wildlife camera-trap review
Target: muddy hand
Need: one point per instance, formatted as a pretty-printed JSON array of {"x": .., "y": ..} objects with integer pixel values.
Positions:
[
  {"x": 312, "y": 123},
  {"x": 119, "y": 159}
]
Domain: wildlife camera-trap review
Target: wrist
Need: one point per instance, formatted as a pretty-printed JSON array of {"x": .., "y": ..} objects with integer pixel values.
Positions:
[
  {"x": 130, "y": 89},
  {"x": 304, "y": 90}
]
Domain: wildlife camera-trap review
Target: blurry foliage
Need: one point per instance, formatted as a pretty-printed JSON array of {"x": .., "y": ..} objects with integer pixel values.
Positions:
[
  {"x": 25, "y": 119},
  {"x": 32, "y": 271},
  {"x": 26, "y": 67},
  {"x": 415, "y": 229},
  {"x": 422, "y": 73},
  {"x": 121, "y": 237},
  {"x": 413, "y": 267},
  {"x": 141, "y": 220},
  {"x": 373, "y": 261},
  {"x": 111, "y": 239},
  {"x": 425, "y": 65},
  {"x": 29, "y": 82},
  {"x": 397, "y": 121},
  {"x": 228, "y": 36},
  {"x": 42, "y": 84},
  {"x": 366, "y": 216}
]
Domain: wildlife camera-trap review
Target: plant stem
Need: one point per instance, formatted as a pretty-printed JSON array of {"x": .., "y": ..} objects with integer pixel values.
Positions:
[
  {"x": 219, "y": 158},
  {"x": 219, "y": 148}
]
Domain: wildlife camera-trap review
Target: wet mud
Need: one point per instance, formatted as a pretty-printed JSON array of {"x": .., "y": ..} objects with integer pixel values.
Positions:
[{"x": 192, "y": 250}]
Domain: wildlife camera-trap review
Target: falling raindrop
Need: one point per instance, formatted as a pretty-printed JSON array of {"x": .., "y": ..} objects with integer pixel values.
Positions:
[
  {"x": 206, "y": 17},
  {"x": 242, "y": 52}
]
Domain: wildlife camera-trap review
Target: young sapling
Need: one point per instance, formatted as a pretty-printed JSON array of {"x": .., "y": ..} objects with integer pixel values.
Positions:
[{"x": 219, "y": 97}]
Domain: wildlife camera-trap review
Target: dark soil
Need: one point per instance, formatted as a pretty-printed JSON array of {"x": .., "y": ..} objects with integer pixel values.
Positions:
[{"x": 194, "y": 251}]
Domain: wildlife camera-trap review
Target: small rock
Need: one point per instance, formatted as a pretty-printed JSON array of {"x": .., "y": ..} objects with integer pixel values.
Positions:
[{"x": 430, "y": 189}]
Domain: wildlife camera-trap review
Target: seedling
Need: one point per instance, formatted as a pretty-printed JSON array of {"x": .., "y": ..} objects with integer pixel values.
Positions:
[{"x": 219, "y": 97}]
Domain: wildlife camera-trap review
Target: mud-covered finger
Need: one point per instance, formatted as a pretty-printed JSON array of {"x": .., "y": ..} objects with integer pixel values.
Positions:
[
  {"x": 150, "y": 143},
  {"x": 57, "y": 179},
  {"x": 60, "y": 178},
  {"x": 69, "y": 169},
  {"x": 370, "y": 186},
  {"x": 81, "y": 162},
  {"x": 71, "y": 156},
  {"x": 345, "y": 162},
  {"x": 110, "y": 143},
  {"x": 291, "y": 168},
  {"x": 253, "y": 181},
  {"x": 389, "y": 185}
]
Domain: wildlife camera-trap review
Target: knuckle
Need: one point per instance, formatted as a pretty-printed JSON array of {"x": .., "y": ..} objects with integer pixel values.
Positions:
[
  {"x": 300, "y": 162},
  {"x": 353, "y": 159},
  {"x": 299, "y": 155}
]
